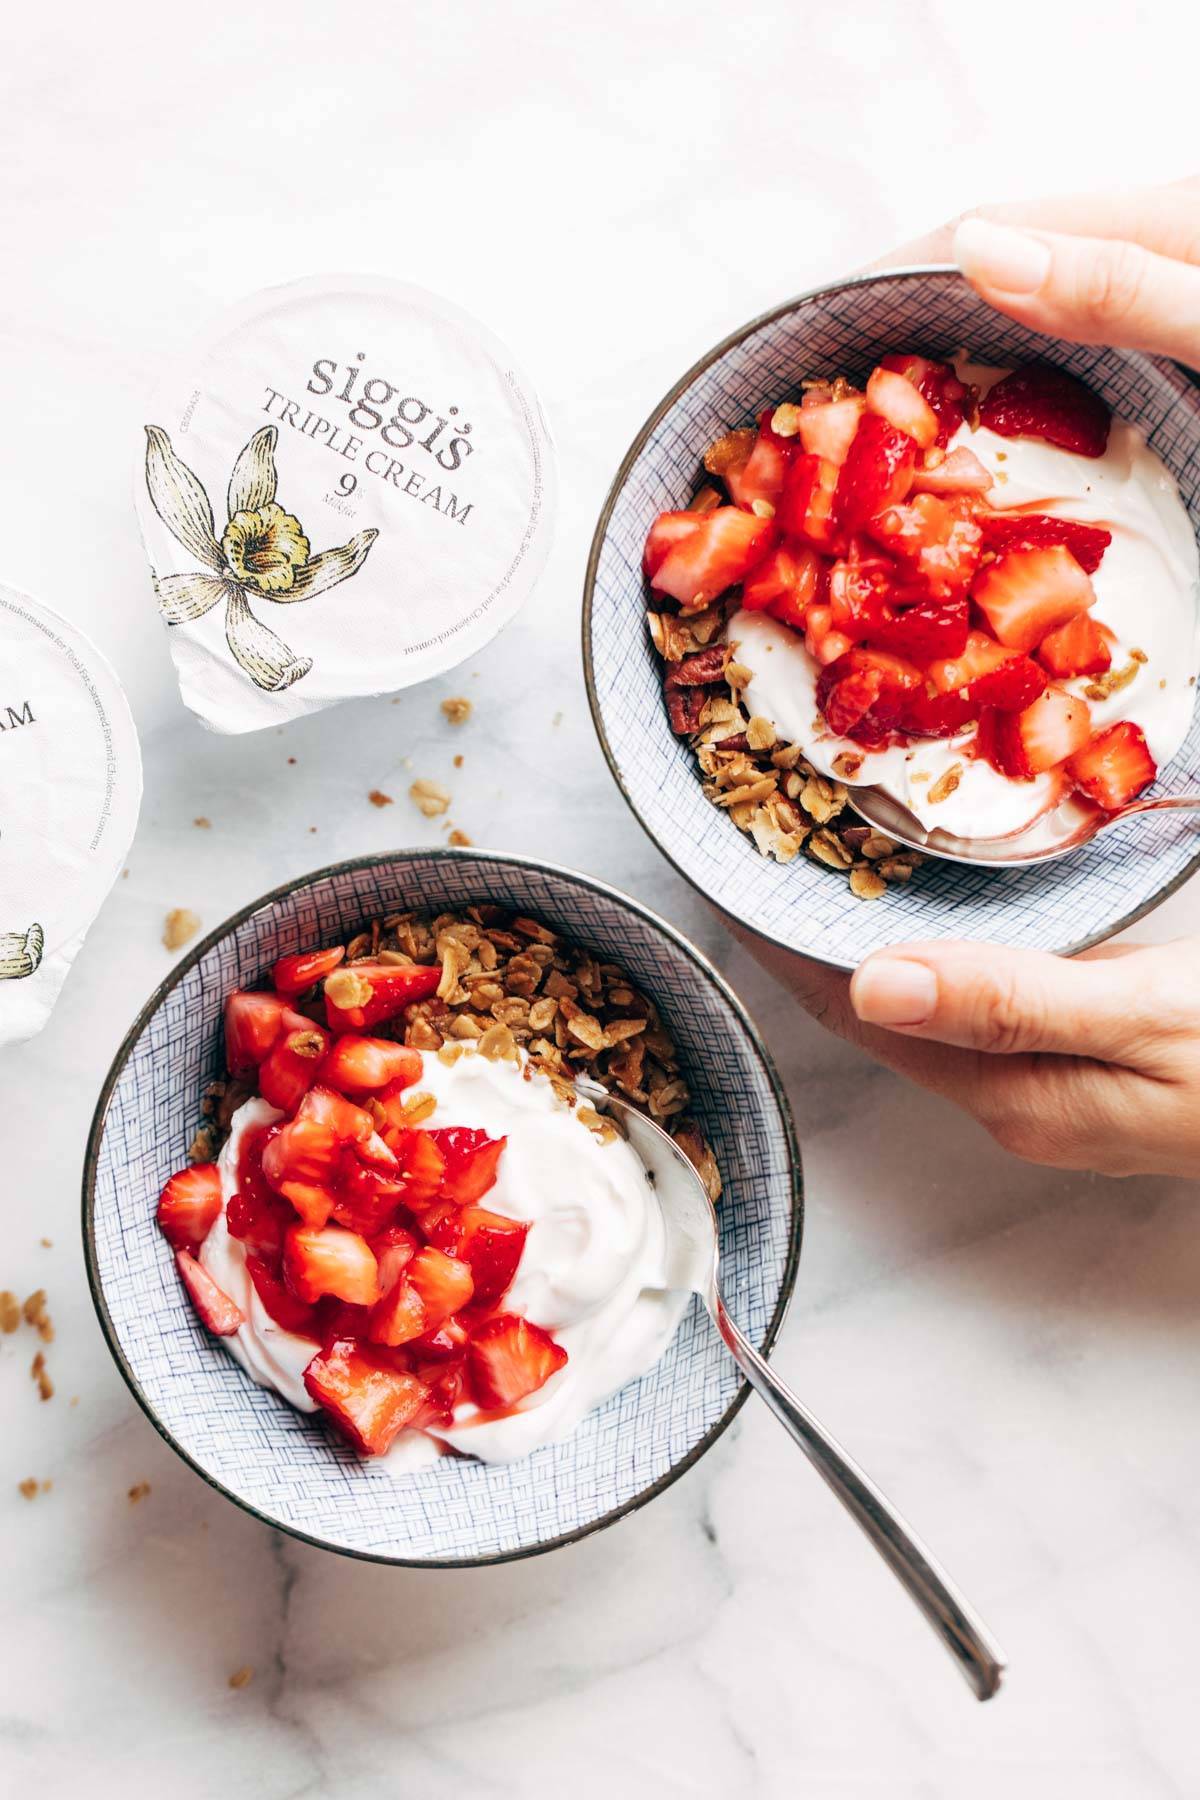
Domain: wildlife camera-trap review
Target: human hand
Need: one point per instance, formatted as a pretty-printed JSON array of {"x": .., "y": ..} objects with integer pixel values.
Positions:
[
  {"x": 1120, "y": 269},
  {"x": 1085, "y": 1064}
]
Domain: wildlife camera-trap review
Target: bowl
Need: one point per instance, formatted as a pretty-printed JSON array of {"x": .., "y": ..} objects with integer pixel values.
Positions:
[
  {"x": 801, "y": 906},
  {"x": 286, "y": 1467}
]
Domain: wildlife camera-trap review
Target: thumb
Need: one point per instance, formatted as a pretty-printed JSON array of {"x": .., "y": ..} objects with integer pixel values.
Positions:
[
  {"x": 985, "y": 997},
  {"x": 1092, "y": 290}
]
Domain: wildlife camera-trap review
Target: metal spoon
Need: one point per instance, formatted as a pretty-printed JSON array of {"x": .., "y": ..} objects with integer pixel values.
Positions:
[
  {"x": 695, "y": 1260},
  {"x": 1069, "y": 825}
]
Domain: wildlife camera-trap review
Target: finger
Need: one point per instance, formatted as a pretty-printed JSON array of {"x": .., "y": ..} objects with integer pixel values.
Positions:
[
  {"x": 1163, "y": 219},
  {"x": 1091, "y": 290},
  {"x": 1005, "y": 1001}
]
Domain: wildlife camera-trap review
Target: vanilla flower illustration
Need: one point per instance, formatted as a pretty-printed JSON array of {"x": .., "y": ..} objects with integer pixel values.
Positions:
[
  {"x": 262, "y": 554},
  {"x": 20, "y": 953}
]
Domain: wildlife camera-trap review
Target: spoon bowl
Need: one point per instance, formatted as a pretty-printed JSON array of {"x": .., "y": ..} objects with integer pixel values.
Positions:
[
  {"x": 694, "y": 1262},
  {"x": 1068, "y": 826}
]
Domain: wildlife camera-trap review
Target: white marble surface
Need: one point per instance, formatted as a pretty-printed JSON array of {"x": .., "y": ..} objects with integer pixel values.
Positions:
[{"x": 1014, "y": 1353}]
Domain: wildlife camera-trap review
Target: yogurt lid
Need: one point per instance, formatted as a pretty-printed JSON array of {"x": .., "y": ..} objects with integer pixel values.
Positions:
[
  {"x": 347, "y": 488},
  {"x": 70, "y": 789}
]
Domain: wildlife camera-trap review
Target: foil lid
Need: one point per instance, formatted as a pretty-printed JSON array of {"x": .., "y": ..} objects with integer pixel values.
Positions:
[
  {"x": 347, "y": 488},
  {"x": 70, "y": 789}
]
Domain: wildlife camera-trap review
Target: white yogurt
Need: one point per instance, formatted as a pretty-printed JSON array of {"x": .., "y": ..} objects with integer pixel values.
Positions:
[
  {"x": 593, "y": 1272},
  {"x": 1147, "y": 593}
]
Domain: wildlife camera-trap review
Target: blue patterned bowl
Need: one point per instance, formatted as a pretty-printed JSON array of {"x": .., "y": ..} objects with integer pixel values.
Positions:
[
  {"x": 285, "y": 1467},
  {"x": 1061, "y": 906}
]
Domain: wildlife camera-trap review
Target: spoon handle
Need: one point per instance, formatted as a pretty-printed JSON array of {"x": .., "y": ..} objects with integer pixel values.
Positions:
[{"x": 964, "y": 1634}]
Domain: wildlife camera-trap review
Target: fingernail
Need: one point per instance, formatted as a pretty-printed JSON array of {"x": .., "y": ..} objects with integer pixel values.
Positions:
[
  {"x": 997, "y": 256},
  {"x": 890, "y": 990}
]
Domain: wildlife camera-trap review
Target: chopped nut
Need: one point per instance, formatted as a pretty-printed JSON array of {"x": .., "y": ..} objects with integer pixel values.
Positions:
[
  {"x": 34, "y": 1313},
  {"x": 866, "y": 883},
  {"x": 895, "y": 868},
  {"x": 459, "y": 838},
  {"x": 241, "y": 1677},
  {"x": 429, "y": 798},
  {"x": 877, "y": 844},
  {"x": 847, "y": 764},
  {"x": 1113, "y": 680},
  {"x": 499, "y": 1045},
  {"x": 457, "y": 709},
  {"x": 181, "y": 924},
  {"x": 37, "y": 1369},
  {"x": 785, "y": 420},
  {"x": 346, "y": 989},
  {"x": 829, "y": 849},
  {"x": 203, "y": 1147},
  {"x": 945, "y": 784},
  {"x": 10, "y": 1311},
  {"x": 377, "y": 797},
  {"x": 418, "y": 1107},
  {"x": 760, "y": 733}
]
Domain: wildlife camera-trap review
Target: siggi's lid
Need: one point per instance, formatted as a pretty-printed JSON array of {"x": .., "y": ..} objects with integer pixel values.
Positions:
[
  {"x": 347, "y": 488},
  {"x": 70, "y": 788}
]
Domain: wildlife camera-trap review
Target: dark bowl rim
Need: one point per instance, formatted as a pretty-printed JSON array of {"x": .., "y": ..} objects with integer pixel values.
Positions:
[
  {"x": 444, "y": 854},
  {"x": 867, "y": 278}
]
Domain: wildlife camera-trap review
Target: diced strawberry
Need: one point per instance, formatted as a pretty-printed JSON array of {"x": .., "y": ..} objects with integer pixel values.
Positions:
[
  {"x": 189, "y": 1204},
  {"x": 472, "y": 1159},
  {"x": 896, "y": 399},
  {"x": 938, "y": 385},
  {"x": 979, "y": 656},
  {"x": 365, "y": 1396},
  {"x": 1011, "y": 686},
  {"x": 338, "y": 1319},
  {"x": 930, "y": 714},
  {"x": 252, "y": 1024},
  {"x": 350, "y": 1124},
  {"x": 399, "y": 1316},
  {"x": 1114, "y": 767},
  {"x": 444, "y": 1345},
  {"x": 988, "y": 675},
  {"x": 214, "y": 1306},
  {"x": 444, "y": 1283},
  {"x": 821, "y": 640},
  {"x": 278, "y": 1299},
  {"x": 930, "y": 630},
  {"x": 509, "y": 1358},
  {"x": 1027, "y": 594},
  {"x": 445, "y": 1389},
  {"x": 669, "y": 529},
  {"x": 392, "y": 988},
  {"x": 1044, "y": 735},
  {"x": 959, "y": 472},
  {"x": 357, "y": 1065},
  {"x": 805, "y": 508},
  {"x": 292, "y": 1066},
  {"x": 828, "y": 430},
  {"x": 876, "y": 474},
  {"x": 724, "y": 547},
  {"x": 394, "y": 1250},
  {"x": 366, "y": 1199},
  {"x": 860, "y": 584},
  {"x": 301, "y": 1161},
  {"x": 292, "y": 975},
  {"x": 761, "y": 476},
  {"x": 933, "y": 541},
  {"x": 1036, "y": 401},
  {"x": 791, "y": 574},
  {"x": 423, "y": 1166},
  {"x": 864, "y": 693},
  {"x": 1037, "y": 531},
  {"x": 260, "y": 1219},
  {"x": 330, "y": 1261},
  {"x": 489, "y": 1243},
  {"x": 1080, "y": 647}
]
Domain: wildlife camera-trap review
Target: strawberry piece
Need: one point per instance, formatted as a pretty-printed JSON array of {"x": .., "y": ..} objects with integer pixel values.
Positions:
[
  {"x": 350, "y": 1124},
  {"x": 365, "y": 1199},
  {"x": 821, "y": 640},
  {"x": 423, "y": 1165},
  {"x": 1080, "y": 647},
  {"x": 934, "y": 542},
  {"x": 785, "y": 582},
  {"x": 445, "y": 1389},
  {"x": 510, "y": 1358},
  {"x": 930, "y": 714},
  {"x": 1027, "y": 594},
  {"x": 938, "y": 386},
  {"x": 252, "y": 1024},
  {"x": 214, "y": 1306},
  {"x": 1037, "y": 401},
  {"x": 293, "y": 1065},
  {"x": 988, "y": 675},
  {"x": 330, "y": 1260},
  {"x": 364, "y": 1395},
  {"x": 282, "y": 1305},
  {"x": 980, "y": 655},
  {"x": 860, "y": 584},
  {"x": 828, "y": 430},
  {"x": 930, "y": 630},
  {"x": 189, "y": 1204},
  {"x": 760, "y": 477},
  {"x": 1114, "y": 767},
  {"x": 349, "y": 1008},
  {"x": 902, "y": 404},
  {"x": 669, "y": 529},
  {"x": 1037, "y": 531},
  {"x": 1011, "y": 686},
  {"x": 301, "y": 1161},
  {"x": 805, "y": 508},
  {"x": 864, "y": 693},
  {"x": 959, "y": 472},
  {"x": 722, "y": 549},
  {"x": 490, "y": 1244},
  {"x": 1044, "y": 735},
  {"x": 448, "y": 1343},
  {"x": 472, "y": 1159},
  {"x": 444, "y": 1283},
  {"x": 294, "y": 974},
  {"x": 876, "y": 474},
  {"x": 398, "y": 1317},
  {"x": 358, "y": 1065},
  {"x": 394, "y": 1250}
]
